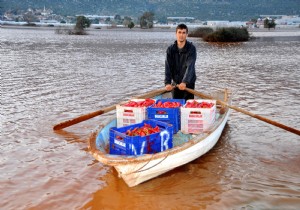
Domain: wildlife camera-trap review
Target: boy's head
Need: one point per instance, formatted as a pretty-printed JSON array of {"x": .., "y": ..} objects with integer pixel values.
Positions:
[{"x": 182, "y": 26}]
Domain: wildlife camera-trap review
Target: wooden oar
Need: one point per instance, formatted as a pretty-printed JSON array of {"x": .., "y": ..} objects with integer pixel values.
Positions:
[
  {"x": 202, "y": 95},
  {"x": 81, "y": 118}
]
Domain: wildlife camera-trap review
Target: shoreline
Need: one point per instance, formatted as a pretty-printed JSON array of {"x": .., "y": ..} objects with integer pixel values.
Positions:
[
  {"x": 254, "y": 32},
  {"x": 277, "y": 32}
]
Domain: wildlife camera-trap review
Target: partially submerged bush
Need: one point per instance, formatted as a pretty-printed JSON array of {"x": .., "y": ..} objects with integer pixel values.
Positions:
[
  {"x": 81, "y": 23},
  {"x": 200, "y": 32},
  {"x": 30, "y": 24},
  {"x": 231, "y": 34},
  {"x": 68, "y": 31}
]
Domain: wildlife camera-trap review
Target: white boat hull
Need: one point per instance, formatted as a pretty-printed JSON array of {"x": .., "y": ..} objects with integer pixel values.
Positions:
[
  {"x": 137, "y": 169},
  {"x": 136, "y": 173}
]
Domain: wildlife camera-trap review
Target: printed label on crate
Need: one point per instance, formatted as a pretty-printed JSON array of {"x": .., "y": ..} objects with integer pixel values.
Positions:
[
  {"x": 162, "y": 116},
  {"x": 198, "y": 116},
  {"x": 128, "y": 114},
  {"x": 195, "y": 115},
  {"x": 134, "y": 150},
  {"x": 120, "y": 143},
  {"x": 165, "y": 137}
]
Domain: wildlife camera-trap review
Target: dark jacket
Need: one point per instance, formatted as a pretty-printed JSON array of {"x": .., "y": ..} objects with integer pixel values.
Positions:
[{"x": 180, "y": 66}]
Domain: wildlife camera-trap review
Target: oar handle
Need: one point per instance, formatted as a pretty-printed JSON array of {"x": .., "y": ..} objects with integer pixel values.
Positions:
[
  {"x": 81, "y": 118},
  {"x": 287, "y": 128}
]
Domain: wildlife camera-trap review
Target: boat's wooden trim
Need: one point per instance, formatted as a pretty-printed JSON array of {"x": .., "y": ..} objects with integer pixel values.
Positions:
[{"x": 114, "y": 160}]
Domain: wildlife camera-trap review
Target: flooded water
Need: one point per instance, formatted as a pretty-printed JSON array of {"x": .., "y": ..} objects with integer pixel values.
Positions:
[{"x": 48, "y": 78}]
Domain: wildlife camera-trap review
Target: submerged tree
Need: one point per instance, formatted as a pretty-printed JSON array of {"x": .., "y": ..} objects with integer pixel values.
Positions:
[
  {"x": 29, "y": 17},
  {"x": 127, "y": 20},
  {"x": 269, "y": 24},
  {"x": 81, "y": 23},
  {"x": 200, "y": 32},
  {"x": 131, "y": 25},
  {"x": 146, "y": 21},
  {"x": 230, "y": 34}
]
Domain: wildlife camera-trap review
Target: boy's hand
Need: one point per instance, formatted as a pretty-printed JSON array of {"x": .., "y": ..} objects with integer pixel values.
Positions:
[
  {"x": 182, "y": 86},
  {"x": 169, "y": 87}
]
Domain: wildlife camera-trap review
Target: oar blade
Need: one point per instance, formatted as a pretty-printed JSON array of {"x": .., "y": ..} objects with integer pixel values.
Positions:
[{"x": 82, "y": 118}]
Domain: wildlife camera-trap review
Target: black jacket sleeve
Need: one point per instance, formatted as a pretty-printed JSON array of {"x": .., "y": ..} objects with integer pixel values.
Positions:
[
  {"x": 189, "y": 76},
  {"x": 168, "y": 61}
]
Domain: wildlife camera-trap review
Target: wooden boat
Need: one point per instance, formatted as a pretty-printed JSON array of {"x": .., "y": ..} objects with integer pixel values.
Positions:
[{"x": 186, "y": 148}]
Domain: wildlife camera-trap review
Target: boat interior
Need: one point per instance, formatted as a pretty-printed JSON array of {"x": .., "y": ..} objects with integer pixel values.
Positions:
[{"x": 102, "y": 133}]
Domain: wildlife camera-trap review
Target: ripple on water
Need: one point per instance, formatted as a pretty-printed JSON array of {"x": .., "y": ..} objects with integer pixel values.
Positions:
[{"x": 48, "y": 78}]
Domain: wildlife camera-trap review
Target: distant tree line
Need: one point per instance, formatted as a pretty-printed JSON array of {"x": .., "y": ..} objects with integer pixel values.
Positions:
[{"x": 146, "y": 21}]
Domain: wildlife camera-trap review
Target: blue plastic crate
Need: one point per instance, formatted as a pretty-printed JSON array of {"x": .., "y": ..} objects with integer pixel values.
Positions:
[
  {"x": 121, "y": 144},
  {"x": 168, "y": 115}
]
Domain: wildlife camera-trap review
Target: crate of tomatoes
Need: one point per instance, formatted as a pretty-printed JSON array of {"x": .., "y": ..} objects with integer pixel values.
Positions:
[
  {"x": 197, "y": 116},
  {"x": 167, "y": 110},
  {"x": 134, "y": 111},
  {"x": 147, "y": 137}
]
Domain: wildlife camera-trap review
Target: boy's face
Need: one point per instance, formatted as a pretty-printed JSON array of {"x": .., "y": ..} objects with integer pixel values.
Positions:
[{"x": 181, "y": 35}]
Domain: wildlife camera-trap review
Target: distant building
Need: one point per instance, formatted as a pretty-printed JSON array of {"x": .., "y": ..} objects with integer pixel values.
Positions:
[
  {"x": 271, "y": 16},
  {"x": 46, "y": 12},
  {"x": 99, "y": 17},
  {"x": 176, "y": 20},
  {"x": 49, "y": 21},
  {"x": 226, "y": 23},
  {"x": 280, "y": 20},
  {"x": 288, "y": 20},
  {"x": 250, "y": 24}
]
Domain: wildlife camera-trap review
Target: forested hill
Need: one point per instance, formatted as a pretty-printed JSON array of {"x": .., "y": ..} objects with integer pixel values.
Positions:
[{"x": 199, "y": 9}]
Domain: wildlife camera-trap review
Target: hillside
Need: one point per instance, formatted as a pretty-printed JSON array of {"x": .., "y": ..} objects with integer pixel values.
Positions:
[{"x": 200, "y": 9}]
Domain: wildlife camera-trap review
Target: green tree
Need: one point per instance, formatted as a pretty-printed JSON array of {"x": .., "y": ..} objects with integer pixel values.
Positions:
[
  {"x": 29, "y": 17},
  {"x": 118, "y": 19},
  {"x": 254, "y": 20},
  {"x": 272, "y": 24},
  {"x": 266, "y": 23},
  {"x": 131, "y": 25},
  {"x": 107, "y": 20},
  {"x": 269, "y": 24},
  {"x": 127, "y": 20},
  {"x": 146, "y": 20},
  {"x": 81, "y": 23}
]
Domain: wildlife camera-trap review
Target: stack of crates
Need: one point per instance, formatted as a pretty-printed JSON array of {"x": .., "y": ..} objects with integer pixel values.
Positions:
[
  {"x": 168, "y": 115},
  {"x": 197, "y": 120},
  {"x": 122, "y": 144},
  {"x": 130, "y": 115}
]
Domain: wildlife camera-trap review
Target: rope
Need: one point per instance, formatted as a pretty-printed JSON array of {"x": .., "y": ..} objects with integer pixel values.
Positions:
[{"x": 140, "y": 169}]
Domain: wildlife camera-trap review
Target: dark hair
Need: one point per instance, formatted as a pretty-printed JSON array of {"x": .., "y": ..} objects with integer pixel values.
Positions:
[{"x": 182, "y": 26}]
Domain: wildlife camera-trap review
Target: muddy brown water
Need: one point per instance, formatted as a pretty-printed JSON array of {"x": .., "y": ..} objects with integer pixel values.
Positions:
[{"x": 48, "y": 78}]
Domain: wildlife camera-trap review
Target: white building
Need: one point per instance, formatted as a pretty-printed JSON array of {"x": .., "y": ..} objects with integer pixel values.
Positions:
[
  {"x": 288, "y": 20},
  {"x": 226, "y": 23},
  {"x": 176, "y": 20}
]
